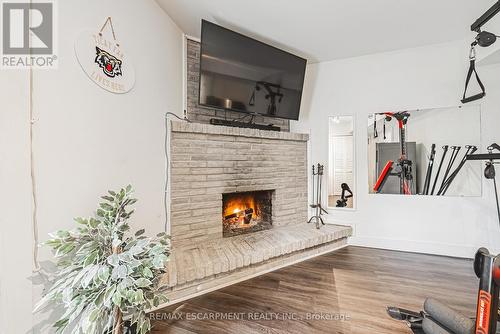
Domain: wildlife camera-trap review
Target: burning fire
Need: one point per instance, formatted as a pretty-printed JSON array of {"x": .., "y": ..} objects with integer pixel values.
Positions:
[
  {"x": 240, "y": 209},
  {"x": 240, "y": 203}
]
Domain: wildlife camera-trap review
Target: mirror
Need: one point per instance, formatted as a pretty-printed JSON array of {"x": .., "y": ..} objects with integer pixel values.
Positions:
[
  {"x": 341, "y": 162},
  {"x": 422, "y": 152}
]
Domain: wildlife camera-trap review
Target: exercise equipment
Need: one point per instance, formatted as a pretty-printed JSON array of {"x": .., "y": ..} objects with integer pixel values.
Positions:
[
  {"x": 454, "y": 153},
  {"x": 402, "y": 168},
  {"x": 450, "y": 173},
  {"x": 317, "y": 174},
  {"x": 428, "y": 174},
  {"x": 483, "y": 39},
  {"x": 342, "y": 202},
  {"x": 472, "y": 70},
  {"x": 438, "y": 318},
  {"x": 445, "y": 150},
  {"x": 489, "y": 171},
  {"x": 385, "y": 137},
  {"x": 470, "y": 150}
]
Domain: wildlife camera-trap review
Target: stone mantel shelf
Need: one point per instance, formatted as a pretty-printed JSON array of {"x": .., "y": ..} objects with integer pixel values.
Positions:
[{"x": 182, "y": 126}]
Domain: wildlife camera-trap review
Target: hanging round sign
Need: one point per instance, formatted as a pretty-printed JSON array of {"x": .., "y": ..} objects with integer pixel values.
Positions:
[{"x": 104, "y": 62}]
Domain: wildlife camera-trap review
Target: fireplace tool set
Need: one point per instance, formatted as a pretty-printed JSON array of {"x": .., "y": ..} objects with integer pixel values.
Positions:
[{"x": 317, "y": 173}]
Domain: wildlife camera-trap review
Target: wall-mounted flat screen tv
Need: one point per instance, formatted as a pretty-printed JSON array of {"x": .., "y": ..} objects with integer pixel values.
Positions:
[{"x": 242, "y": 74}]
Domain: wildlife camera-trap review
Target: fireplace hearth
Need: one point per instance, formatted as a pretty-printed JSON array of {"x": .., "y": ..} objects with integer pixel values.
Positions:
[{"x": 246, "y": 212}]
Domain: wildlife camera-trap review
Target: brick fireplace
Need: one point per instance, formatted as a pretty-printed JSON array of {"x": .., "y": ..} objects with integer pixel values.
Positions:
[
  {"x": 238, "y": 199},
  {"x": 238, "y": 207},
  {"x": 213, "y": 164}
]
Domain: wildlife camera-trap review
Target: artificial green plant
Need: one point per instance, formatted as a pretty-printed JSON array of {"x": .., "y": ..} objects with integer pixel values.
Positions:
[{"x": 105, "y": 273}]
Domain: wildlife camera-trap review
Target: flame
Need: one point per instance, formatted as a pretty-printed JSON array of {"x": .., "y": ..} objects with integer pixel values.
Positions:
[{"x": 237, "y": 203}]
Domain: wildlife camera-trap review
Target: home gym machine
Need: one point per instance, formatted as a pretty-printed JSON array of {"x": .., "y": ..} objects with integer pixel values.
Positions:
[
  {"x": 483, "y": 39},
  {"x": 489, "y": 172},
  {"x": 402, "y": 167},
  {"x": 437, "y": 318},
  {"x": 342, "y": 202}
]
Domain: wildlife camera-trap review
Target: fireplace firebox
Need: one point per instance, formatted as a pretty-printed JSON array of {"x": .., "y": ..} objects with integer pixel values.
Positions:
[{"x": 246, "y": 212}]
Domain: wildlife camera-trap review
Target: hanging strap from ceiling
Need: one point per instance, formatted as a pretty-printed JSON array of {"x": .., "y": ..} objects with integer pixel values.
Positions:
[{"x": 472, "y": 69}]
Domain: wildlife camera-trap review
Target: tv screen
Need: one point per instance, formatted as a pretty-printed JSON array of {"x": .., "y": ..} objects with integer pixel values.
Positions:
[{"x": 242, "y": 74}]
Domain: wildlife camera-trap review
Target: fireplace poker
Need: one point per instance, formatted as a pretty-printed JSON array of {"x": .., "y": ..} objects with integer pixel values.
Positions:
[{"x": 317, "y": 173}]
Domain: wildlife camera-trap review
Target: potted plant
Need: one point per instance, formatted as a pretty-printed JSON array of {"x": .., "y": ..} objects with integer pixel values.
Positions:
[{"x": 105, "y": 273}]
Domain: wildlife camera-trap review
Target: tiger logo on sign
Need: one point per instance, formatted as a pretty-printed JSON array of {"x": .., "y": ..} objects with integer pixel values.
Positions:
[{"x": 111, "y": 66}]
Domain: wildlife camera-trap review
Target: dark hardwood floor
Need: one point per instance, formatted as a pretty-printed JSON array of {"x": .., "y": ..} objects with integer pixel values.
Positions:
[{"x": 357, "y": 283}]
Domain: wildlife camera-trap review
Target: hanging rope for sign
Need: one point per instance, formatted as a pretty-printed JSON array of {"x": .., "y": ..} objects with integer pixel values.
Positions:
[{"x": 108, "y": 21}]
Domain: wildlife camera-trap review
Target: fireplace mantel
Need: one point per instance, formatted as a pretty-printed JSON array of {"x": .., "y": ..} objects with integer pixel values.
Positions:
[{"x": 208, "y": 129}]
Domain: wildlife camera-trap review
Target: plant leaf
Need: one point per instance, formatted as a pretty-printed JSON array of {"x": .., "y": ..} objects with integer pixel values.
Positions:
[
  {"x": 147, "y": 272},
  {"x": 117, "y": 299},
  {"x": 103, "y": 274},
  {"x": 114, "y": 260},
  {"x": 143, "y": 282},
  {"x": 108, "y": 198},
  {"x": 119, "y": 272}
]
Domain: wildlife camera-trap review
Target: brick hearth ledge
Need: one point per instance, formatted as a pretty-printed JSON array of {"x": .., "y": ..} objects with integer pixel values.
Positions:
[{"x": 196, "y": 270}]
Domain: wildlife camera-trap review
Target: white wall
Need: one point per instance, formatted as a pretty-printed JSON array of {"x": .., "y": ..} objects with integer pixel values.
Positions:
[
  {"x": 86, "y": 140},
  {"x": 426, "y": 77},
  {"x": 15, "y": 220}
]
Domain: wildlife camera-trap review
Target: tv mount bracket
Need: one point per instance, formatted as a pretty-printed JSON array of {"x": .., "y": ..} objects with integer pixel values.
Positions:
[{"x": 483, "y": 39}]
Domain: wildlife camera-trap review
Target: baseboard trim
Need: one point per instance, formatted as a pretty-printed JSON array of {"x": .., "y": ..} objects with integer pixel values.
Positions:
[{"x": 452, "y": 250}]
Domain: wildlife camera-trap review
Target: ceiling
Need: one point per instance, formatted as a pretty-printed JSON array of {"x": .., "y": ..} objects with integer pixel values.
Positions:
[{"x": 322, "y": 30}]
